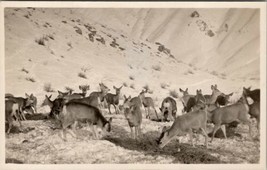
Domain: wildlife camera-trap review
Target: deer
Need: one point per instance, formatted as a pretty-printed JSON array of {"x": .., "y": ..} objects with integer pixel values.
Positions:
[
  {"x": 12, "y": 110},
  {"x": 168, "y": 109},
  {"x": 23, "y": 103},
  {"x": 211, "y": 99},
  {"x": 55, "y": 105},
  {"x": 73, "y": 111},
  {"x": 34, "y": 99},
  {"x": 185, "y": 124},
  {"x": 148, "y": 103},
  {"x": 236, "y": 112},
  {"x": 223, "y": 99},
  {"x": 253, "y": 94},
  {"x": 113, "y": 99},
  {"x": 133, "y": 115},
  {"x": 100, "y": 95},
  {"x": 188, "y": 100}
]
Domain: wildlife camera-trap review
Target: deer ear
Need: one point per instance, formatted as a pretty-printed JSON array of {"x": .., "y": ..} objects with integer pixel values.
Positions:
[
  {"x": 121, "y": 87},
  {"x": 27, "y": 95},
  {"x": 130, "y": 97},
  {"x": 88, "y": 87},
  {"x": 249, "y": 88},
  {"x": 110, "y": 120},
  {"x": 215, "y": 86},
  {"x": 50, "y": 96},
  {"x": 212, "y": 87},
  {"x": 114, "y": 87},
  {"x": 230, "y": 94},
  {"x": 186, "y": 89},
  {"x": 180, "y": 90},
  {"x": 59, "y": 92},
  {"x": 80, "y": 87},
  {"x": 124, "y": 97}
]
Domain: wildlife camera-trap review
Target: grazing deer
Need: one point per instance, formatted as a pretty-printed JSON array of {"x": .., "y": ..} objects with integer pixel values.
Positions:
[
  {"x": 113, "y": 99},
  {"x": 133, "y": 115},
  {"x": 34, "y": 99},
  {"x": 23, "y": 104},
  {"x": 188, "y": 100},
  {"x": 100, "y": 95},
  {"x": 12, "y": 110},
  {"x": 76, "y": 111},
  {"x": 184, "y": 124},
  {"x": 253, "y": 94},
  {"x": 168, "y": 109},
  {"x": 47, "y": 101},
  {"x": 228, "y": 114},
  {"x": 211, "y": 99}
]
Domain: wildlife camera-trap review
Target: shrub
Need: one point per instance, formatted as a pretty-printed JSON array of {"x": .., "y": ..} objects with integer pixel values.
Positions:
[
  {"x": 125, "y": 84},
  {"x": 173, "y": 93},
  {"x": 24, "y": 70},
  {"x": 48, "y": 88},
  {"x": 82, "y": 75},
  {"x": 31, "y": 79},
  {"x": 40, "y": 41},
  {"x": 156, "y": 67},
  {"x": 132, "y": 86},
  {"x": 214, "y": 73},
  {"x": 131, "y": 77},
  {"x": 164, "y": 85}
]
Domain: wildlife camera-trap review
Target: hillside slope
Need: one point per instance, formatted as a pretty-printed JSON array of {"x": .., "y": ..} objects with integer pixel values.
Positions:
[{"x": 163, "y": 48}]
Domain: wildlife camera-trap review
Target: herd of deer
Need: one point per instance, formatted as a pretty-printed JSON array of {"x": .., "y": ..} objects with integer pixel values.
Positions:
[{"x": 71, "y": 108}]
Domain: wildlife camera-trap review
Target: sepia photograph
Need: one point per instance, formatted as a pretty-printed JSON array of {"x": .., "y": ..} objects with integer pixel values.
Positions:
[{"x": 134, "y": 84}]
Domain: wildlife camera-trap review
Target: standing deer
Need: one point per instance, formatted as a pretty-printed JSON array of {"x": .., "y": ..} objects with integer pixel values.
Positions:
[
  {"x": 12, "y": 110},
  {"x": 168, "y": 109},
  {"x": 113, "y": 99},
  {"x": 100, "y": 95},
  {"x": 188, "y": 100},
  {"x": 133, "y": 114},
  {"x": 253, "y": 94},
  {"x": 148, "y": 103},
  {"x": 23, "y": 103},
  {"x": 34, "y": 99},
  {"x": 211, "y": 99},
  {"x": 228, "y": 114}
]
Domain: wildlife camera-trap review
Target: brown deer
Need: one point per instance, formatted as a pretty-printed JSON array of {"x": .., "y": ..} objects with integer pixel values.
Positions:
[
  {"x": 23, "y": 104},
  {"x": 253, "y": 94},
  {"x": 133, "y": 115},
  {"x": 100, "y": 95},
  {"x": 12, "y": 110},
  {"x": 211, "y": 99},
  {"x": 113, "y": 99},
  {"x": 76, "y": 111},
  {"x": 228, "y": 114},
  {"x": 188, "y": 100},
  {"x": 168, "y": 109},
  {"x": 148, "y": 103},
  {"x": 184, "y": 124},
  {"x": 34, "y": 99}
]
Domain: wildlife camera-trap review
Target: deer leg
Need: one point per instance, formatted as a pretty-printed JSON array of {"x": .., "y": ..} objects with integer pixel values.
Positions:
[
  {"x": 206, "y": 136},
  {"x": 10, "y": 123},
  {"x": 72, "y": 133},
  {"x": 156, "y": 112},
  {"x": 115, "y": 108},
  {"x": 136, "y": 132},
  {"x": 109, "y": 108},
  {"x": 132, "y": 133},
  {"x": 191, "y": 137},
  {"x": 224, "y": 131},
  {"x": 216, "y": 127},
  {"x": 148, "y": 112},
  {"x": 95, "y": 131}
]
